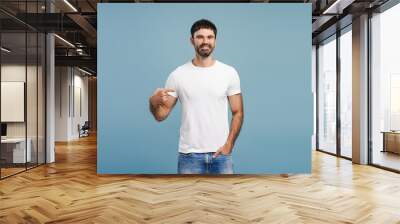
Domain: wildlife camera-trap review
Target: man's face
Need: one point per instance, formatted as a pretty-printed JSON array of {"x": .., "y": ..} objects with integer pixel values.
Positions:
[{"x": 203, "y": 42}]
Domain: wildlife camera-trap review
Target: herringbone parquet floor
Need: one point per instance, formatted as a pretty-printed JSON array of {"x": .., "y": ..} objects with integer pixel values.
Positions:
[{"x": 70, "y": 191}]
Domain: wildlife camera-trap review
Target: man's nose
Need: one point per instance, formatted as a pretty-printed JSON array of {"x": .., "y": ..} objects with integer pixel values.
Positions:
[{"x": 206, "y": 43}]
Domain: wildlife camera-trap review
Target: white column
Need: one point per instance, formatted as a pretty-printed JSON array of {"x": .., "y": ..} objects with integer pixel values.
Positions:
[
  {"x": 360, "y": 90},
  {"x": 50, "y": 91}
]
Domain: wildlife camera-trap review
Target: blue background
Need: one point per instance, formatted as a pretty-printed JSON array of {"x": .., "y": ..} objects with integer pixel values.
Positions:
[{"x": 268, "y": 44}]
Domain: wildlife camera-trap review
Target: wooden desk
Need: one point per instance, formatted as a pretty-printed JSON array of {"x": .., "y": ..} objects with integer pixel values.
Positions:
[
  {"x": 13, "y": 150},
  {"x": 391, "y": 141}
]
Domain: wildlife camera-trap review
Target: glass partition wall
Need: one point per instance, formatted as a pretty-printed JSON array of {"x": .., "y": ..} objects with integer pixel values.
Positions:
[
  {"x": 327, "y": 95},
  {"x": 334, "y": 90},
  {"x": 345, "y": 62},
  {"x": 385, "y": 89},
  {"x": 22, "y": 88}
]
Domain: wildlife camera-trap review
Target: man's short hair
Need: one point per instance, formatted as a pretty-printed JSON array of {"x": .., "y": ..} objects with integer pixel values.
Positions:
[{"x": 203, "y": 24}]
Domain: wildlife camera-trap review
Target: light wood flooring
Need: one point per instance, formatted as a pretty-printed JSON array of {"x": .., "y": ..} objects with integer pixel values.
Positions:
[
  {"x": 70, "y": 191},
  {"x": 387, "y": 159}
]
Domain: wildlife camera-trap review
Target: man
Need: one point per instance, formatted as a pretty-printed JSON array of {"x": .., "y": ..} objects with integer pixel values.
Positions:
[{"x": 204, "y": 86}]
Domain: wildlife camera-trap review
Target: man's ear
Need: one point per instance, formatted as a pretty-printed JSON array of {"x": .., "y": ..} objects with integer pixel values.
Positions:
[{"x": 192, "y": 41}]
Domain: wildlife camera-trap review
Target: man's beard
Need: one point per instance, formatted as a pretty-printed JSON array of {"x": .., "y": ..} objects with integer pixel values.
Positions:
[{"x": 204, "y": 53}]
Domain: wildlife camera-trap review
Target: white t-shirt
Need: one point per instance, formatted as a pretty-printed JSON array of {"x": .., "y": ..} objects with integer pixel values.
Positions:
[{"x": 203, "y": 93}]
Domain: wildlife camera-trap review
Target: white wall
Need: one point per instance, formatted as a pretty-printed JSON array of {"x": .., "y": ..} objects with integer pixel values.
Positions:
[
  {"x": 80, "y": 105},
  {"x": 62, "y": 81},
  {"x": 70, "y": 84}
]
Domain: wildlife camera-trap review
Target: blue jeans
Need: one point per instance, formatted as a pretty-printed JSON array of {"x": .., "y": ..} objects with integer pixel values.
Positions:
[{"x": 203, "y": 163}]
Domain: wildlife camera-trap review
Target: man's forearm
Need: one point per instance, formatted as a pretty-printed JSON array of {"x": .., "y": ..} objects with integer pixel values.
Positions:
[
  {"x": 155, "y": 110},
  {"x": 236, "y": 125}
]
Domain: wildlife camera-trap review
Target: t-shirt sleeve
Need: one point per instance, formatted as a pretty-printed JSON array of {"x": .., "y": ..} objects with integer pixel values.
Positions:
[
  {"x": 172, "y": 84},
  {"x": 234, "y": 84}
]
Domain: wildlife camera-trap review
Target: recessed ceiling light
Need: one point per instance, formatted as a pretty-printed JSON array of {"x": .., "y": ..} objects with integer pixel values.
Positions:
[
  {"x": 70, "y": 5},
  {"x": 337, "y": 7},
  {"x": 64, "y": 40},
  {"x": 5, "y": 49},
  {"x": 84, "y": 71}
]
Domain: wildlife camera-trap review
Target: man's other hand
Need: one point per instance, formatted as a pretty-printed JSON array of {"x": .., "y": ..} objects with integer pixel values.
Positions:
[{"x": 226, "y": 149}]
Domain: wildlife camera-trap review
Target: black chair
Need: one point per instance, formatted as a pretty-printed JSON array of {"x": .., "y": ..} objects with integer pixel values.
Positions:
[{"x": 84, "y": 130}]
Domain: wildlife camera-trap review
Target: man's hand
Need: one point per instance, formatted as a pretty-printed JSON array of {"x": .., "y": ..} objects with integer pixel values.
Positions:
[
  {"x": 226, "y": 149},
  {"x": 160, "y": 96},
  {"x": 161, "y": 103}
]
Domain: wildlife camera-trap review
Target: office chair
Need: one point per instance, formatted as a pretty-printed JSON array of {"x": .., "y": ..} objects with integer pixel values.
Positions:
[{"x": 84, "y": 130}]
